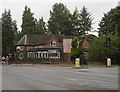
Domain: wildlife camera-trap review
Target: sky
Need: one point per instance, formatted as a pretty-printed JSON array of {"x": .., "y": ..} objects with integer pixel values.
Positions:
[{"x": 41, "y": 8}]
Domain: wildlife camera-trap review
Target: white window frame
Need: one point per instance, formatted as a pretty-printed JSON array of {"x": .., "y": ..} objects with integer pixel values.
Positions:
[
  {"x": 45, "y": 54},
  {"x": 39, "y": 54},
  {"x": 52, "y": 43},
  {"x": 58, "y": 55},
  {"x": 30, "y": 54}
]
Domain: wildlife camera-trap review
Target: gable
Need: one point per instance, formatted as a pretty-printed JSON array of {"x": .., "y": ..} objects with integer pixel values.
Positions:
[
  {"x": 85, "y": 43},
  {"x": 53, "y": 38}
]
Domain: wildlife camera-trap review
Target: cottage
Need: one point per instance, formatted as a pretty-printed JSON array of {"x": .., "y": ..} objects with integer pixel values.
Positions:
[{"x": 49, "y": 46}]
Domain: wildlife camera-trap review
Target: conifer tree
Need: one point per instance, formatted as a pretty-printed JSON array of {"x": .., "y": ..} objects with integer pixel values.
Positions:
[
  {"x": 28, "y": 22},
  {"x": 85, "y": 21},
  {"x": 59, "y": 20},
  {"x": 9, "y": 29}
]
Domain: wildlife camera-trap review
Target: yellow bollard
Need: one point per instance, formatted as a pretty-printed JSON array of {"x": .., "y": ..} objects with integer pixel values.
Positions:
[
  {"x": 77, "y": 62},
  {"x": 108, "y": 62}
]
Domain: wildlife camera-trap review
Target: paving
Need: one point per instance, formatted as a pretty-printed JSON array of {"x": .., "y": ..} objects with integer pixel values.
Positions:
[{"x": 43, "y": 77}]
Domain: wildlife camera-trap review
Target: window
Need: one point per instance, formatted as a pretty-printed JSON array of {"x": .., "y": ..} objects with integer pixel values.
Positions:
[
  {"x": 37, "y": 55},
  {"x": 53, "y": 43},
  {"x": 40, "y": 54},
  {"x": 43, "y": 54},
  {"x": 58, "y": 54},
  {"x": 30, "y": 54}
]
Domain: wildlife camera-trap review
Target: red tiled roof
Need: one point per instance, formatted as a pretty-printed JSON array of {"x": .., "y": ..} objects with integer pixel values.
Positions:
[{"x": 85, "y": 43}]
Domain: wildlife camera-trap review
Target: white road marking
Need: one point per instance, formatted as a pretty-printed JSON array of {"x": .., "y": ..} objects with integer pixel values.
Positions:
[
  {"x": 70, "y": 79},
  {"x": 98, "y": 74}
]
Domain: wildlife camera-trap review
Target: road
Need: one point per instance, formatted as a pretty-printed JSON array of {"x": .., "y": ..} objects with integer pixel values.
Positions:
[{"x": 58, "y": 78}]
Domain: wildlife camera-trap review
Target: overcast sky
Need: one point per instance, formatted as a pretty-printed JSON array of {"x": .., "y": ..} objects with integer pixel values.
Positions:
[{"x": 43, "y": 7}]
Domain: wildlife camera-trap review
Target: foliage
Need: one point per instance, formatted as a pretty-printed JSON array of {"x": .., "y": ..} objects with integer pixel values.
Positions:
[
  {"x": 97, "y": 50},
  {"x": 41, "y": 27},
  {"x": 59, "y": 20},
  {"x": 85, "y": 21},
  {"x": 28, "y": 22},
  {"x": 110, "y": 24},
  {"x": 74, "y": 42},
  {"x": 75, "y": 22},
  {"x": 109, "y": 21},
  {"x": 24, "y": 52},
  {"x": 9, "y": 29},
  {"x": 77, "y": 51},
  {"x": 81, "y": 50},
  {"x": 90, "y": 38}
]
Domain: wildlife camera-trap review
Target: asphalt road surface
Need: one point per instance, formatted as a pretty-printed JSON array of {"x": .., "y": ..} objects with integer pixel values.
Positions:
[{"x": 58, "y": 78}]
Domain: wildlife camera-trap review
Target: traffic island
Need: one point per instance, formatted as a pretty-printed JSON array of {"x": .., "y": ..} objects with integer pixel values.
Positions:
[{"x": 80, "y": 67}]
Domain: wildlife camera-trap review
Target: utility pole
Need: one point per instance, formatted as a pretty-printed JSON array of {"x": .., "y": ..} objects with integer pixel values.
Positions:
[
  {"x": 106, "y": 47},
  {"x": 33, "y": 54}
]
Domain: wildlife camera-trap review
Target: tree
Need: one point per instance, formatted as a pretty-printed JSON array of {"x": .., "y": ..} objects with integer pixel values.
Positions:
[
  {"x": 8, "y": 30},
  {"x": 41, "y": 27},
  {"x": 14, "y": 26},
  {"x": 28, "y": 22},
  {"x": 77, "y": 51},
  {"x": 90, "y": 38},
  {"x": 97, "y": 50},
  {"x": 85, "y": 21},
  {"x": 59, "y": 20},
  {"x": 108, "y": 22},
  {"x": 81, "y": 50},
  {"x": 74, "y": 51},
  {"x": 75, "y": 22}
]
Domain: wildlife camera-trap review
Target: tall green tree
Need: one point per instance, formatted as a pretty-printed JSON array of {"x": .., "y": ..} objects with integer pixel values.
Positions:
[
  {"x": 75, "y": 22},
  {"x": 59, "y": 20},
  {"x": 8, "y": 30},
  {"x": 74, "y": 51},
  {"x": 15, "y": 29},
  {"x": 77, "y": 50},
  {"x": 81, "y": 50},
  {"x": 41, "y": 27},
  {"x": 28, "y": 22},
  {"x": 109, "y": 21},
  {"x": 86, "y": 21}
]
